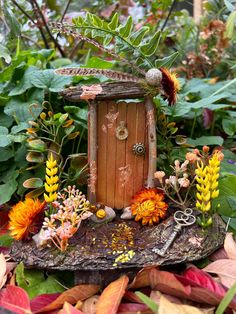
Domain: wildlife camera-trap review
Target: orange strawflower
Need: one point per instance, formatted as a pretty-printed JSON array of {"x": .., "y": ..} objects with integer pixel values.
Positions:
[
  {"x": 170, "y": 85},
  {"x": 25, "y": 218},
  {"x": 148, "y": 206}
]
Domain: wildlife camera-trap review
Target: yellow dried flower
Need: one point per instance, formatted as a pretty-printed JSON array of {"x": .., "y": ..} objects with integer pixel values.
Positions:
[
  {"x": 51, "y": 184},
  {"x": 101, "y": 213},
  {"x": 207, "y": 182}
]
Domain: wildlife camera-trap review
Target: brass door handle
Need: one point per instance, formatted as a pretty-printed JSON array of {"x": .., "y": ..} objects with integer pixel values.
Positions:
[{"x": 122, "y": 132}]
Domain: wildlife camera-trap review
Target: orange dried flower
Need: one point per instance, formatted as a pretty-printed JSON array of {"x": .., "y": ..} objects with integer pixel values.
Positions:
[
  {"x": 148, "y": 206},
  {"x": 25, "y": 218},
  {"x": 170, "y": 85}
]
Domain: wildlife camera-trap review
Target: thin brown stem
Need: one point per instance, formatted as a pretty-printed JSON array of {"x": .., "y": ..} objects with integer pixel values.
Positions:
[
  {"x": 66, "y": 9},
  {"x": 38, "y": 25},
  {"x": 47, "y": 28},
  {"x": 23, "y": 11}
]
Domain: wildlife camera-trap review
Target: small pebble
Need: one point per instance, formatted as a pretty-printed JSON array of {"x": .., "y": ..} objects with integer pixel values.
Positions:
[
  {"x": 110, "y": 215},
  {"x": 127, "y": 214}
]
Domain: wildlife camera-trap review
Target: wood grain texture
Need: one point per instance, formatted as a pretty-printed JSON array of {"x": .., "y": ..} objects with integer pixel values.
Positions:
[
  {"x": 140, "y": 161},
  {"x": 113, "y": 90},
  {"x": 111, "y": 152},
  {"x": 92, "y": 151},
  {"x": 120, "y": 159},
  {"x": 130, "y": 157},
  {"x": 102, "y": 153},
  {"x": 152, "y": 154}
]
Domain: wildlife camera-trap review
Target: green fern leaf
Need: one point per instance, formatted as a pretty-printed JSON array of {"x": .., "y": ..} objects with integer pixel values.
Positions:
[
  {"x": 167, "y": 61},
  {"x": 137, "y": 37},
  {"x": 114, "y": 22},
  {"x": 125, "y": 30},
  {"x": 150, "y": 48}
]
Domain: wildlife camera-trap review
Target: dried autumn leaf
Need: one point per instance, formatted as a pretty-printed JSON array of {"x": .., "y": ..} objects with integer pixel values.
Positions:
[
  {"x": 167, "y": 307},
  {"x": 43, "y": 300},
  {"x": 69, "y": 309},
  {"x": 111, "y": 296},
  {"x": 71, "y": 136},
  {"x": 225, "y": 269},
  {"x": 230, "y": 246},
  {"x": 15, "y": 299},
  {"x": 3, "y": 269},
  {"x": 80, "y": 292},
  {"x": 142, "y": 278},
  {"x": 91, "y": 91},
  {"x": 89, "y": 306}
]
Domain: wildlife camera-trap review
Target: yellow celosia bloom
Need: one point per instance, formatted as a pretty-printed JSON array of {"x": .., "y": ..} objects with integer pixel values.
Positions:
[
  {"x": 207, "y": 183},
  {"x": 51, "y": 184}
]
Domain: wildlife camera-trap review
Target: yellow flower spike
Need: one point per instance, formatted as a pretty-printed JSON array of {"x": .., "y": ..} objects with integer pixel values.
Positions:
[
  {"x": 215, "y": 194},
  {"x": 207, "y": 182},
  {"x": 51, "y": 185}
]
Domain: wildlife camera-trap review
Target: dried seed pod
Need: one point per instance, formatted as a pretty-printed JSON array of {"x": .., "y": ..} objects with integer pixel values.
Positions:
[{"x": 154, "y": 77}]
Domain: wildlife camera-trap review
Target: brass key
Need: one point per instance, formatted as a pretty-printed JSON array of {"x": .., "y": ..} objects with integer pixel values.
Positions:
[{"x": 182, "y": 219}]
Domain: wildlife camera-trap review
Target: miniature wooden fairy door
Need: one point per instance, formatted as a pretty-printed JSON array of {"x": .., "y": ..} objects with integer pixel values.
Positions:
[{"x": 122, "y": 148}]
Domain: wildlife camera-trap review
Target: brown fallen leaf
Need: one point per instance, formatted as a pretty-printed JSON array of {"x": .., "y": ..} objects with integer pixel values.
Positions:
[
  {"x": 89, "y": 306},
  {"x": 230, "y": 246},
  {"x": 225, "y": 269},
  {"x": 167, "y": 307},
  {"x": 80, "y": 292},
  {"x": 91, "y": 91},
  {"x": 111, "y": 296}
]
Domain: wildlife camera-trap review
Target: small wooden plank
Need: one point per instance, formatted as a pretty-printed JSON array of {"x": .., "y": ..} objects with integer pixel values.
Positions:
[
  {"x": 111, "y": 117},
  {"x": 130, "y": 157},
  {"x": 120, "y": 159},
  {"x": 102, "y": 153},
  {"x": 140, "y": 138},
  {"x": 92, "y": 152},
  {"x": 151, "y": 127},
  {"x": 111, "y": 90}
]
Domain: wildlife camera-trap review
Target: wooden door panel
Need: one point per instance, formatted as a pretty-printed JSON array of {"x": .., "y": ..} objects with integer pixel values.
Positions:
[
  {"x": 102, "y": 154},
  {"x": 120, "y": 173},
  {"x": 120, "y": 159}
]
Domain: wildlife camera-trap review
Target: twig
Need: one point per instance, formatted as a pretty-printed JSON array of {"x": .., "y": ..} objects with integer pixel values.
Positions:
[
  {"x": 168, "y": 16},
  {"x": 65, "y": 11},
  {"x": 33, "y": 41},
  {"x": 38, "y": 25},
  {"x": 23, "y": 11},
  {"x": 47, "y": 28}
]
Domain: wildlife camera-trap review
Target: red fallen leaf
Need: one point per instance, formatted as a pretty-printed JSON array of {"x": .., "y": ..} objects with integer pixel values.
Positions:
[
  {"x": 111, "y": 296},
  {"x": 168, "y": 283},
  {"x": 69, "y": 309},
  {"x": 230, "y": 246},
  {"x": 15, "y": 299},
  {"x": 80, "y": 292},
  {"x": 133, "y": 308},
  {"x": 225, "y": 269},
  {"x": 3, "y": 222},
  {"x": 203, "y": 280},
  {"x": 91, "y": 91},
  {"x": 42, "y": 300}
]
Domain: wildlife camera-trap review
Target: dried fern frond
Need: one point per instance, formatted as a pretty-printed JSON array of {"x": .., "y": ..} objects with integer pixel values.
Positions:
[
  {"x": 114, "y": 75},
  {"x": 68, "y": 29}
]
